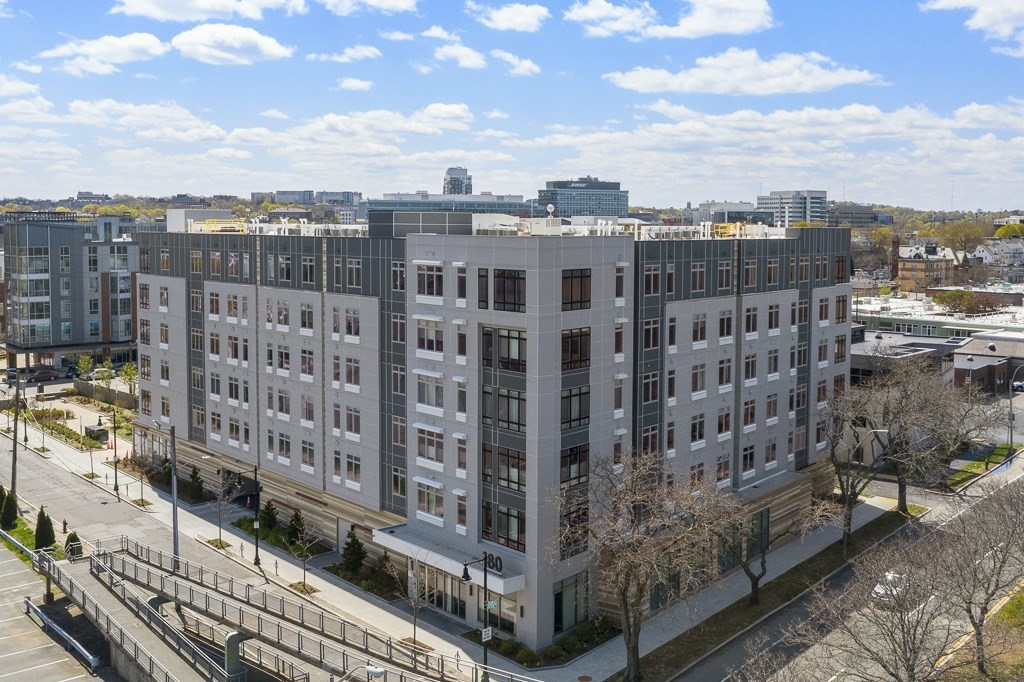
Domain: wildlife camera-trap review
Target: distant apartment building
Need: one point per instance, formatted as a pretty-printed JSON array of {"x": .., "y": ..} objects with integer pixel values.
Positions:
[
  {"x": 923, "y": 265},
  {"x": 433, "y": 385},
  {"x": 457, "y": 180},
  {"x": 582, "y": 197},
  {"x": 808, "y": 205},
  {"x": 706, "y": 210},
  {"x": 258, "y": 198},
  {"x": 338, "y": 198},
  {"x": 92, "y": 197},
  {"x": 511, "y": 204},
  {"x": 857, "y": 216},
  {"x": 69, "y": 286},
  {"x": 301, "y": 196}
]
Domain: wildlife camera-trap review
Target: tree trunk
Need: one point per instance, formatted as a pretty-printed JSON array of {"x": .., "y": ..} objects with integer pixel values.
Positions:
[
  {"x": 979, "y": 641},
  {"x": 631, "y": 617},
  {"x": 755, "y": 592},
  {"x": 847, "y": 525},
  {"x": 901, "y": 494}
]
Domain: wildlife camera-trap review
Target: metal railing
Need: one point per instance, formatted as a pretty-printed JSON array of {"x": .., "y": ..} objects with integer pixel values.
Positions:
[
  {"x": 248, "y": 651},
  {"x": 111, "y": 629},
  {"x": 329, "y": 625},
  {"x": 48, "y": 624},
  {"x": 185, "y": 648}
]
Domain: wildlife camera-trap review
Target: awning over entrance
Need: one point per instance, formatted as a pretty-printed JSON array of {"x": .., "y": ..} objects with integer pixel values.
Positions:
[{"x": 405, "y": 541}]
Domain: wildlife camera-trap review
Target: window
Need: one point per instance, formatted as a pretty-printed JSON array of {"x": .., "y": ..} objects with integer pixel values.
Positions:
[
  {"x": 510, "y": 290},
  {"x": 511, "y": 469},
  {"x": 620, "y": 281},
  {"x": 284, "y": 403},
  {"x": 353, "y": 422},
  {"x": 773, "y": 271},
  {"x": 284, "y": 357},
  {"x": 749, "y": 273},
  {"x": 460, "y": 342},
  {"x": 619, "y": 338},
  {"x": 670, "y": 280},
  {"x": 195, "y": 262},
  {"x": 823, "y": 350},
  {"x": 165, "y": 407},
  {"x": 652, "y": 334},
  {"x": 821, "y": 391},
  {"x": 233, "y": 388},
  {"x": 214, "y": 344},
  {"x": 429, "y": 280},
  {"x": 351, "y": 322},
  {"x": 725, "y": 324},
  {"x": 214, "y": 380},
  {"x": 283, "y": 314},
  {"x": 841, "y": 309},
  {"x": 801, "y": 354},
  {"x": 430, "y": 445},
  {"x": 575, "y": 407},
  {"x": 144, "y": 332},
  {"x": 724, "y": 276},
  {"x": 670, "y": 383},
  {"x": 352, "y": 371},
  {"x": 145, "y": 402},
  {"x": 510, "y": 352},
  {"x": 650, "y": 387},
  {"x": 725, "y": 371},
  {"x": 696, "y": 474},
  {"x": 215, "y": 263},
  {"x": 652, "y": 280},
  {"x": 144, "y": 296},
  {"x": 805, "y": 268},
  {"x": 771, "y": 408},
  {"x": 511, "y": 526},
  {"x": 649, "y": 438},
  {"x": 771, "y": 451},
  {"x": 308, "y": 454},
  {"x": 145, "y": 367},
  {"x": 397, "y": 276},
  {"x": 575, "y": 348},
  {"x": 841, "y": 273},
  {"x": 353, "y": 273},
  {"x": 353, "y": 468},
  {"x": 284, "y": 268},
  {"x": 670, "y": 436},
  {"x": 306, "y": 316},
  {"x": 398, "y": 380},
  {"x": 232, "y": 300},
  {"x": 429, "y": 336},
  {"x": 840, "y": 348},
  {"x": 700, "y": 327},
  {"x": 803, "y": 312},
  {"x": 397, "y": 482},
  {"x": 575, "y": 465},
  {"x": 697, "y": 377},
  {"x": 773, "y": 361},
  {"x": 724, "y": 420},
  {"x": 773, "y": 316},
  {"x": 460, "y": 453},
  {"x": 165, "y": 259},
  {"x": 460, "y": 282},
  {"x": 398, "y": 327},
  {"x": 197, "y": 340},
  {"x": 698, "y": 277},
  {"x": 750, "y": 321},
  {"x": 430, "y": 500},
  {"x": 617, "y": 394},
  {"x": 671, "y": 331},
  {"x": 823, "y": 309},
  {"x": 747, "y": 458},
  {"x": 306, "y": 362},
  {"x": 576, "y": 289},
  {"x": 165, "y": 375},
  {"x": 511, "y": 408},
  {"x": 722, "y": 468},
  {"x": 165, "y": 335},
  {"x": 398, "y": 431},
  {"x": 430, "y": 391},
  {"x": 750, "y": 366},
  {"x": 483, "y": 291},
  {"x": 749, "y": 413}
]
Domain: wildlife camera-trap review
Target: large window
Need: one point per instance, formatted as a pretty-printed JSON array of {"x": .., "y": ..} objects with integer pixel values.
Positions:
[
  {"x": 510, "y": 290},
  {"x": 429, "y": 336},
  {"x": 698, "y": 277},
  {"x": 430, "y": 391},
  {"x": 576, "y": 289},
  {"x": 430, "y": 500},
  {"x": 652, "y": 280},
  {"x": 575, "y": 348},
  {"x": 430, "y": 445},
  {"x": 575, "y": 465},
  {"x": 510, "y": 352},
  {"x": 575, "y": 407},
  {"x": 504, "y": 525},
  {"x": 430, "y": 280},
  {"x": 510, "y": 406}
]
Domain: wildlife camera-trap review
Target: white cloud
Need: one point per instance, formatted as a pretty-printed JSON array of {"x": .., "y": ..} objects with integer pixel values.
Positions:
[
  {"x": 165, "y": 121},
  {"x": 4, "y": 12},
  {"x": 496, "y": 113},
  {"x": 520, "y": 66},
  {"x": 228, "y": 44},
  {"x": 421, "y": 68},
  {"x": 273, "y": 113},
  {"x": 514, "y": 16},
  {"x": 465, "y": 57},
  {"x": 997, "y": 19},
  {"x": 103, "y": 55},
  {"x": 345, "y": 7},
  {"x": 743, "y": 72},
  {"x": 146, "y": 76},
  {"x": 354, "y": 84},
  {"x": 27, "y": 68},
  {"x": 225, "y": 153},
  {"x": 436, "y": 31},
  {"x": 349, "y": 54},
  {"x": 201, "y": 10},
  {"x": 396, "y": 35},
  {"x": 601, "y": 19},
  {"x": 15, "y": 87}
]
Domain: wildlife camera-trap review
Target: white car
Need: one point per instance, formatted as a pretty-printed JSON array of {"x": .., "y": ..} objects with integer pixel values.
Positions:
[{"x": 890, "y": 590}]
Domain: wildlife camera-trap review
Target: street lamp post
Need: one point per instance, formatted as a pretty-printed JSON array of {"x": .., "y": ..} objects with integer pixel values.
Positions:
[
  {"x": 117, "y": 488},
  {"x": 487, "y": 611},
  {"x": 174, "y": 491},
  {"x": 14, "y": 444},
  {"x": 256, "y": 515}
]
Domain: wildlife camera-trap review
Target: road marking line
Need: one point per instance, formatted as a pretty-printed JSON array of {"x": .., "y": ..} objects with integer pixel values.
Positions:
[
  {"x": 19, "y": 634},
  {"x": 25, "y": 651},
  {"x": 5, "y": 575},
  {"x": 18, "y": 587},
  {"x": 8, "y": 620},
  {"x": 42, "y": 665},
  {"x": 76, "y": 677},
  {"x": 11, "y": 603},
  {"x": 7, "y": 561}
]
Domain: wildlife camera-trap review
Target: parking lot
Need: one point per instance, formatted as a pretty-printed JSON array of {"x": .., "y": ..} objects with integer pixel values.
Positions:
[{"x": 26, "y": 650}]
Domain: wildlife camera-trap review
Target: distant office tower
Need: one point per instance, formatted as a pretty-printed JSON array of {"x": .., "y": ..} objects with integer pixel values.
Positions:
[
  {"x": 808, "y": 205},
  {"x": 457, "y": 180},
  {"x": 584, "y": 196}
]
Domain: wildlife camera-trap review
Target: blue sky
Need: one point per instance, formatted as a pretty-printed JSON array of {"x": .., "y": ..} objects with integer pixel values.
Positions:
[{"x": 888, "y": 101}]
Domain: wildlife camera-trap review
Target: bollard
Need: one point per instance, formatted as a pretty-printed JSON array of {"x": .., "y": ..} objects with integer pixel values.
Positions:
[{"x": 65, "y": 523}]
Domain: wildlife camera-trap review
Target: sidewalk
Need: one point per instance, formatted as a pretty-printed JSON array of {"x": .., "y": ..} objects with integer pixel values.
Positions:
[{"x": 199, "y": 523}]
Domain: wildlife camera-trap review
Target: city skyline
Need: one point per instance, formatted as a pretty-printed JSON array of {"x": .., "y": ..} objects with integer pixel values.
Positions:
[{"x": 680, "y": 102}]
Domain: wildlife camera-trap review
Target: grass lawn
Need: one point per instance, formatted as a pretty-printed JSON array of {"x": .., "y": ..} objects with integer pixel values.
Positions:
[
  {"x": 958, "y": 478},
  {"x": 672, "y": 656},
  {"x": 24, "y": 534}
]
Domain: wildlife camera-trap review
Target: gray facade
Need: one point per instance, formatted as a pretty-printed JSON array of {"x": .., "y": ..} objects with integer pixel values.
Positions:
[{"x": 416, "y": 382}]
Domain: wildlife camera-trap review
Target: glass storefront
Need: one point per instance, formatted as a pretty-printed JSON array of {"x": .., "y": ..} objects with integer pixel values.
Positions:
[
  {"x": 503, "y": 616},
  {"x": 441, "y": 590}
]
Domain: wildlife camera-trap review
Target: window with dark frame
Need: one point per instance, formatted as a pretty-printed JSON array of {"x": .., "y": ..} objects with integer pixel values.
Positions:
[{"x": 576, "y": 289}]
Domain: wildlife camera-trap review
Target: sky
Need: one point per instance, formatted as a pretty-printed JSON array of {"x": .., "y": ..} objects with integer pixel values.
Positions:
[{"x": 903, "y": 102}]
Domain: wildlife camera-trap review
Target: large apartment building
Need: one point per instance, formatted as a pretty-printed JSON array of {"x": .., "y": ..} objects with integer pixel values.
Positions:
[
  {"x": 434, "y": 386},
  {"x": 69, "y": 286}
]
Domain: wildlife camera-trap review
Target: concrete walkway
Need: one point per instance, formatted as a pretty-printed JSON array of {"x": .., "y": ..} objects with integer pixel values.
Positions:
[{"x": 199, "y": 523}]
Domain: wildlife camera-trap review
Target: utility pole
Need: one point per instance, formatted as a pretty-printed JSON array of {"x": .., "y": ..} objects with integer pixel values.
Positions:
[{"x": 14, "y": 446}]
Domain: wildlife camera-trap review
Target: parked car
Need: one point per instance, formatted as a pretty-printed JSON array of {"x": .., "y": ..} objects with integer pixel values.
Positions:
[
  {"x": 99, "y": 374},
  {"x": 1018, "y": 386},
  {"x": 42, "y": 375},
  {"x": 72, "y": 372},
  {"x": 889, "y": 592},
  {"x": 12, "y": 375}
]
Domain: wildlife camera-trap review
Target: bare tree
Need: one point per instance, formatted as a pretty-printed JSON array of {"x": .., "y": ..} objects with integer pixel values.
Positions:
[
  {"x": 412, "y": 589},
  {"x": 982, "y": 559},
  {"x": 229, "y": 489},
  {"x": 304, "y": 546},
  {"x": 764, "y": 661},
  {"x": 641, "y": 530},
  {"x": 892, "y": 622}
]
